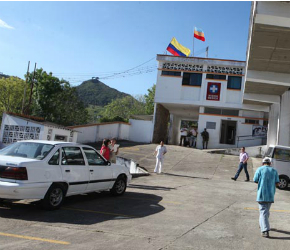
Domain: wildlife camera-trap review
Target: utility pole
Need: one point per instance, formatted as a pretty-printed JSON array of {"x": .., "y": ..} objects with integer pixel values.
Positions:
[
  {"x": 23, "y": 102},
  {"x": 31, "y": 89}
]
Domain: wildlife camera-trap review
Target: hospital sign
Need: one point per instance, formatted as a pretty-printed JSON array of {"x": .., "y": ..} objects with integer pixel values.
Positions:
[{"x": 213, "y": 91}]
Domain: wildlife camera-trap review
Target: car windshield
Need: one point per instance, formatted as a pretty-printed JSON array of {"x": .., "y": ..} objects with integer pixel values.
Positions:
[
  {"x": 269, "y": 152},
  {"x": 32, "y": 150}
]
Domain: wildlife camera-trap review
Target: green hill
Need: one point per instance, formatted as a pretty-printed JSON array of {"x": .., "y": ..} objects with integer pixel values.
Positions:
[{"x": 94, "y": 92}]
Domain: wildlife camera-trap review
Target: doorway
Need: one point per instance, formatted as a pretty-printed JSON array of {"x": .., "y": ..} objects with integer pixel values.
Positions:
[{"x": 228, "y": 132}]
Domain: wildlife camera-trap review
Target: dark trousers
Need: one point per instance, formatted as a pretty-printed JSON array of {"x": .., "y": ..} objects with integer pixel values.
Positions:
[
  {"x": 204, "y": 144},
  {"x": 182, "y": 139},
  {"x": 241, "y": 167}
]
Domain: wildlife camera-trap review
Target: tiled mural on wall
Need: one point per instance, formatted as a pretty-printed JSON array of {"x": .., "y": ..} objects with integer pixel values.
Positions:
[{"x": 14, "y": 133}]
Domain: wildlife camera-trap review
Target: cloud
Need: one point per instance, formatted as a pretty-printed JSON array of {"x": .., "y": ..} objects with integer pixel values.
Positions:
[{"x": 5, "y": 25}]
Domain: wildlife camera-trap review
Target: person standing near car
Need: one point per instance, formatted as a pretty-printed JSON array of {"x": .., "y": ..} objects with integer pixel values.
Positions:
[
  {"x": 105, "y": 150},
  {"x": 244, "y": 157},
  {"x": 267, "y": 179},
  {"x": 114, "y": 150},
  {"x": 159, "y": 153}
]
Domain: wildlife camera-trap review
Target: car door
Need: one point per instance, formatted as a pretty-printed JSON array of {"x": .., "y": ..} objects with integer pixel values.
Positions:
[
  {"x": 100, "y": 171},
  {"x": 74, "y": 169}
]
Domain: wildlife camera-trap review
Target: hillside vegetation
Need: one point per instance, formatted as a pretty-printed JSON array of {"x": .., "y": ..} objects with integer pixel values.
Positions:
[{"x": 94, "y": 92}]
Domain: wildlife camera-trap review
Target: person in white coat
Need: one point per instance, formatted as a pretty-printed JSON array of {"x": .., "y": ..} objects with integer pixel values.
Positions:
[{"x": 159, "y": 152}]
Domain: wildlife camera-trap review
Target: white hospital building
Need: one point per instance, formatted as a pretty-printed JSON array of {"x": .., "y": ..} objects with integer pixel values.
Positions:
[{"x": 209, "y": 92}]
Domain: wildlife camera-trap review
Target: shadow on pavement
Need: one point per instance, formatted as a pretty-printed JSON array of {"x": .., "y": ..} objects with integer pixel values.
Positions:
[
  {"x": 150, "y": 187},
  {"x": 280, "y": 231},
  {"x": 87, "y": 209}
]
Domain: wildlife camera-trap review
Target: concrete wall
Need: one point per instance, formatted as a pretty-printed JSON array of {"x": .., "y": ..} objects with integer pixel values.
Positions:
[
  {"x": 284, "y": 120},
  {"x": 141, "y": 131},
  {"x": 174, "y": 131},
  {"x": 50, "y": 133},
  {"x": 98, "y": 132},
  {"x": 15, "y": 128},
  {"x": 242, "y": 129},
  {"x": 272, "y": 137},
  {"x": 161, "y": 119}
]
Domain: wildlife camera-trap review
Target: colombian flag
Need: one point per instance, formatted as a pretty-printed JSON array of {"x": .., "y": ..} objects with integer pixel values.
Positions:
[
  {"x": 198, "y": 34},
  {"x": 175, "y": 48}
]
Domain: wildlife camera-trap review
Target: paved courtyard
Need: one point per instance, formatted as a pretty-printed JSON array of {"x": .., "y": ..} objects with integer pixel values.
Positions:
[{"x": 193, "y": 205}]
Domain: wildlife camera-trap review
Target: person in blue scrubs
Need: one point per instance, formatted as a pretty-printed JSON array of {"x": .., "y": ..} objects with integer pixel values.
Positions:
[{"x": 267, "y": 179}]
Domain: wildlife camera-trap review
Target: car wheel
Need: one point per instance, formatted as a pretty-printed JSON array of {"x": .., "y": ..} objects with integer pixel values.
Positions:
[
  {"x": 283, "y": 184},
  {"x": 119, "y": 187},
  {"x": 54, "y": 197}
]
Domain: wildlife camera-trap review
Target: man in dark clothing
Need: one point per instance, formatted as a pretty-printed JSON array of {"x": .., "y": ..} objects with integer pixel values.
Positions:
[{"x": 205, "y": 138}]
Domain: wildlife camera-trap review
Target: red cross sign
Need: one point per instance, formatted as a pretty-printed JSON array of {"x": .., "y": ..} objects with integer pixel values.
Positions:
[{"x": 213, "y": 91}]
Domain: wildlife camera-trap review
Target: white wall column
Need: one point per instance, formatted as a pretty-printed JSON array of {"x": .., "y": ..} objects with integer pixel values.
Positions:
[
  {"x": 175, "y": 122},
  {"x": 284, "y": 126},
  {"x": 274, "y": 114}
]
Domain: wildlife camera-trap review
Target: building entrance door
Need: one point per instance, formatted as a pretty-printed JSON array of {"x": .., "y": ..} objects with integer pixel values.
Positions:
[{"x": 228, "y": 132}]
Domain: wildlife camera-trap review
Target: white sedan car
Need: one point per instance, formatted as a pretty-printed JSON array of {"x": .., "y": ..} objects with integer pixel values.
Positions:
[{"x": 50, "y": 170}]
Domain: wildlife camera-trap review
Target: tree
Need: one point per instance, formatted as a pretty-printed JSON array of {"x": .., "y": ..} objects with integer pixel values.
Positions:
[
  {"x": 11, "y": 94},
  {"x": 69, "y": 110},
  {"x": 149, "y": 100},
  {"x": 55, "y": 100},
  {"x": 124, "y": 108}
]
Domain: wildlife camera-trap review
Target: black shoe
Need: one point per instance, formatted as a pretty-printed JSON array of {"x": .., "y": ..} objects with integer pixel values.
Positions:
[
  {"x": 265, "y": 234},
  {"x": 247, "y": 180},
  {"x": 233, "y": 178}
]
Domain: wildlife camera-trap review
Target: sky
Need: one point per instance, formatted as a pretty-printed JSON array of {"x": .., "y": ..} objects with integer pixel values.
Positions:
[{"x": 80, "y": 40}]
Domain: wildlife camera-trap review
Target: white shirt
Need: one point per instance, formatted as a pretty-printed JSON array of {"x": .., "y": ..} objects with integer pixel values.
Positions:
[
  {"x": 183, "y": 132},
  {"x": 160, "y": 151},
  {"x": 193, "y": 132},
  {"x": 243, "y": 157}
]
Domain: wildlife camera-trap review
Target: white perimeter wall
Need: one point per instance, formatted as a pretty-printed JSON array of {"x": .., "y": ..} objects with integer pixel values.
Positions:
[
  {"x": 40, "y": 131},
  {"x": 137, "y": 130},
  {"x": 141, "y": 131},
  {"x": 98, "y": 132}
]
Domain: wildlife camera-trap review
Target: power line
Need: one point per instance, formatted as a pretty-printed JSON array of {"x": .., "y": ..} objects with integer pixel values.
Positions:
[{"x": 109, "y": 73}]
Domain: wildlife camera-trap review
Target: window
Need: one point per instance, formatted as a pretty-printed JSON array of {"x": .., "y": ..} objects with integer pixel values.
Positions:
[
  {"x": 210, "y": 125},
  {"x": 93, "y": 157},
  {"x": 72, "y": 156},
  {"x": 252, "y": 121},
  {"x": 269, "y": 152},
  {"x": 282, "y": 154},
  {"x": 60, "y": 138},
  {"x": 234, "y": 82},
  {"x": 231, "y": 112},
  {"x": 54, "y": 159},
  {"x": 192, "y": 79},
  {"x": 217, "y": 77},
  {"x": 171, "y": 73},
  {"x": 30, "y": 150}
]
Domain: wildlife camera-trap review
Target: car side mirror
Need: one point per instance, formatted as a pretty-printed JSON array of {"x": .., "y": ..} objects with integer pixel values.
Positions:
[{"x": 108, "y": 163}]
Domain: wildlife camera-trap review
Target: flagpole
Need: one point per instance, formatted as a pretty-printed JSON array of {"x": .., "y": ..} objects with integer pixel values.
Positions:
[{"x": 193, "y": 43}]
